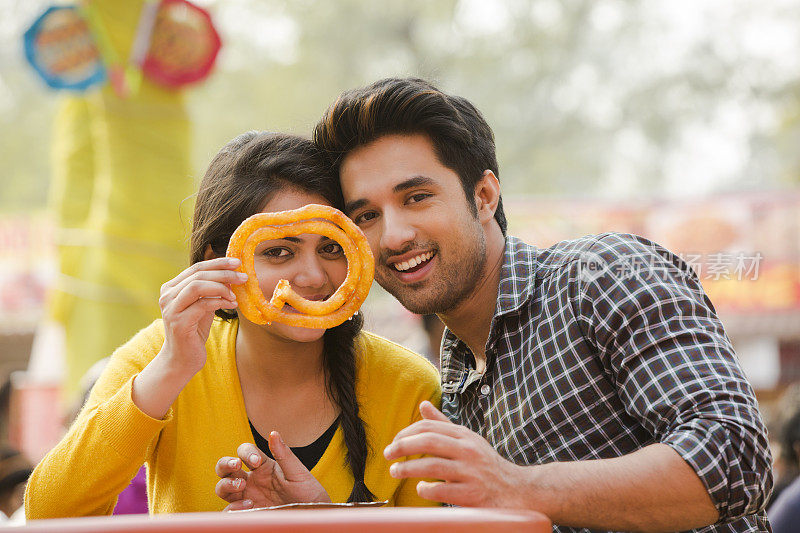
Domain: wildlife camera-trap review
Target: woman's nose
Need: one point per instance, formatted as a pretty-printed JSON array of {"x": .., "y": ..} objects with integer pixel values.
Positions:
[{"x": 310, "y": 272}]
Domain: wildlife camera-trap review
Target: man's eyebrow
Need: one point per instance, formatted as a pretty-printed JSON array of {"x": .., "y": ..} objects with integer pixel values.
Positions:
[
  {"x": 414, "y": 181},
  {"x": 349, "y": 207},
  {"x": 410, "y": 183}
]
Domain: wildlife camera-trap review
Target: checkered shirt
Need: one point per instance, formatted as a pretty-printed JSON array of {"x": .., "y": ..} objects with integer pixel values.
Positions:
[{"x": 601, "y": 346}]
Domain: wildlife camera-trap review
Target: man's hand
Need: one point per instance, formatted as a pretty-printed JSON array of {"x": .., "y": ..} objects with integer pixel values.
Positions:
[
  {"x": 472, "y": 473},
  {"x": 268, "y": 483}
]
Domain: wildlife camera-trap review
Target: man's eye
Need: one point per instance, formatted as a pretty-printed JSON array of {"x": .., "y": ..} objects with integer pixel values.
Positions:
[
  {"x": 414, "y": 198},
  {"x": 276, "y": 252},
  {"x": 365, "y": 217}
]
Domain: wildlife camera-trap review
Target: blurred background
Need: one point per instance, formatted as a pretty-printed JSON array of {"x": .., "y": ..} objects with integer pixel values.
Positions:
[{"x": 679, "y": 121}]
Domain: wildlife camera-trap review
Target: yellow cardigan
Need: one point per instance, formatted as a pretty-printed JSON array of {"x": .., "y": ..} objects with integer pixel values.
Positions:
[{"x": 112, "y": 438}]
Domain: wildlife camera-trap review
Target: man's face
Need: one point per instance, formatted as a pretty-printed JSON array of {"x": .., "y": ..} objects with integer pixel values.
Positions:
[{"x": 430, "y": 250}]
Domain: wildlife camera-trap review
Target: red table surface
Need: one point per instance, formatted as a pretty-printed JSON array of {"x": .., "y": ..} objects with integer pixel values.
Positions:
[{"x": 391, "y": 520}]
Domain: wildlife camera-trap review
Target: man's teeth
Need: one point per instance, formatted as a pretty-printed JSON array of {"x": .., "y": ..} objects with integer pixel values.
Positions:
[{"x": 414, "y": 261}]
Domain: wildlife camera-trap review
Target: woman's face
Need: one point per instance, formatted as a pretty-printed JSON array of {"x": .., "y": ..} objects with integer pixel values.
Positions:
[{"x": 314, "y": 265}]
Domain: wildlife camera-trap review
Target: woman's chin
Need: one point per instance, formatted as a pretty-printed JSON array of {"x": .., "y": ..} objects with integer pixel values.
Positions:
[{"x": 299, "y": 334}]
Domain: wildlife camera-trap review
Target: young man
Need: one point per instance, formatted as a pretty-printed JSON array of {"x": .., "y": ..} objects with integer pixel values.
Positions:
[{"x": 591, "y": 381}]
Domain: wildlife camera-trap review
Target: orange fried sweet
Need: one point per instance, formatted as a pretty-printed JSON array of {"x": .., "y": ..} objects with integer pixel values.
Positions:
[{"x": 312, "y": 218}]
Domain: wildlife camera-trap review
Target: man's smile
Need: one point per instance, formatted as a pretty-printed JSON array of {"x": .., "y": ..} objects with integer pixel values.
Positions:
[
  {"x": 412, "y": 268},
  {"x": 415, "y": 261}
]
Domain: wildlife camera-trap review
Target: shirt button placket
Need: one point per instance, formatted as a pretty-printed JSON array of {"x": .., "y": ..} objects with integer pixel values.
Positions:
[{"x": 483, "y": 398}]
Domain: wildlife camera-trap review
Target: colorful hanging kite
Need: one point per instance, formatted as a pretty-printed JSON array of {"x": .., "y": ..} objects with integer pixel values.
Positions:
[
  {"x": 60, "y": 47},
  {"x": 182, "y": 43},
  {"x": 176, "y": 44}
]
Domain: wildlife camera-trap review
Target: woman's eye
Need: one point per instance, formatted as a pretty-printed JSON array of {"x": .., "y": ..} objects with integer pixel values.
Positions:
[
  {"x": 276, "y": 252},
  {"x": 332, "y": 248}
]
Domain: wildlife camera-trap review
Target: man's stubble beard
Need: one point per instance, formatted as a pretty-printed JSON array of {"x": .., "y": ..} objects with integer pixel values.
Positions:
[{"x": 453, "y": 282}]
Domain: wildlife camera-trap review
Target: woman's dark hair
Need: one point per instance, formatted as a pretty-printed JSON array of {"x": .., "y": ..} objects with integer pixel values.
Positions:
[
  {"x": 461, "y": 137},
  {"x": 240, "y": 180}
]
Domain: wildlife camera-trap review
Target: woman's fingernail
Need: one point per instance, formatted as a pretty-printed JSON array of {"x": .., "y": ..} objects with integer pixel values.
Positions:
[
  {"x": 387, "y": 451},
  {"x": 233, "y": 463},
  {"x": 255, "y": 459},
  {"x": 393, "y": 470},
  {"x": 247, "y": 503},
  {"x": 233, "y": 261},
  {"x": 237, "y": 484},
  {"x": 242, "y": 276}
]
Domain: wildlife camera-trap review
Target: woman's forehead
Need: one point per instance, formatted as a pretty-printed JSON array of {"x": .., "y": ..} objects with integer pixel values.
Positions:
[{"x": 288, "y": 199}]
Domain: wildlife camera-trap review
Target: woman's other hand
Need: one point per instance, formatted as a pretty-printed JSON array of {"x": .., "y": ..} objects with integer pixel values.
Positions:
[
  {"x": 188, "y": 303},
  {"x": 268, "y": 483}
]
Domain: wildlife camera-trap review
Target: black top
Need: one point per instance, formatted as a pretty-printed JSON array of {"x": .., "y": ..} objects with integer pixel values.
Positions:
[{"x": 308, "y": 455}]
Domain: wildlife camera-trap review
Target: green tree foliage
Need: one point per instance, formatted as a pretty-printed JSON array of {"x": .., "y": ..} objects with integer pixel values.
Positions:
[{"x": 613, "y": 97}]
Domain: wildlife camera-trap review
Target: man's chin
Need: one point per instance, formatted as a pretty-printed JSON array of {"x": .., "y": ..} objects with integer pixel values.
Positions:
[
  {"x": 410, "y": 296},
  {"x": 419, "y": 301}
]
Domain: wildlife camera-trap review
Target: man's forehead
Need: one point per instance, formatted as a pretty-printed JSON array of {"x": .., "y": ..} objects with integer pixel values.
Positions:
[
  {"x": 388, "y": 162},
  {"x": 403, "y": 151}
]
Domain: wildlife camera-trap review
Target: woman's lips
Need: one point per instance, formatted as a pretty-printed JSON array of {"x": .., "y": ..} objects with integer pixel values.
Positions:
[{"x": 316, "y": 298}]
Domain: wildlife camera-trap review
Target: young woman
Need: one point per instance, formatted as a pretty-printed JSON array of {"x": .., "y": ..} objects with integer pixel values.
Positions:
[{"x": 202, "y": 382}]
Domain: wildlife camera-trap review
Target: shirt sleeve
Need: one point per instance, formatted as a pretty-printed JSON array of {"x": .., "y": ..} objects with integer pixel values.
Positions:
[
  {"x": 674, "y": 368},
  {"x": 105, "y": 446}
]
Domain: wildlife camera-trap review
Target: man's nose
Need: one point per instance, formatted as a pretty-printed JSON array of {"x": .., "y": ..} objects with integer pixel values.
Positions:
[{"x": 397, "y": 232}]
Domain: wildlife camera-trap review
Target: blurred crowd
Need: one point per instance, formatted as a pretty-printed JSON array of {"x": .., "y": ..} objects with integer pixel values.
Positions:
[{"x": 14, "y": 467}]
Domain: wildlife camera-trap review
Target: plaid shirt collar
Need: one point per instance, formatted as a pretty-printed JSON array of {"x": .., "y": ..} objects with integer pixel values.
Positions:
[
  {"x": 517, "y": 278},
  {"x": 517, "y": 284}
]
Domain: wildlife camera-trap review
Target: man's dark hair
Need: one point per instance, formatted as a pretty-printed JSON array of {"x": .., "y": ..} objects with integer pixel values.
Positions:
[{"x": 461, "y": 138}]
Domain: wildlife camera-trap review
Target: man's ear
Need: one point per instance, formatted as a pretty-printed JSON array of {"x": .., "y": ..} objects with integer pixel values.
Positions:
[
  {"x": 487, "y": 196},
  {"x": 209, "y": 253}
]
